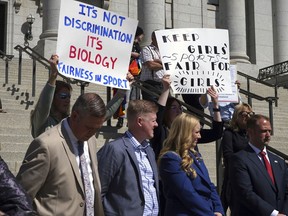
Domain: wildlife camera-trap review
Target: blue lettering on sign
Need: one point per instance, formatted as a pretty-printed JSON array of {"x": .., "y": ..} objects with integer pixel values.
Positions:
[
  {"x": 88, "y": 10},
  {"x": 96, "y": 29},
  {"x": 117, "y": 82},
  {"x": 113, "y": 19},
  {"x": 98, "y": 77},
  {"x": 75, "y": 71}
]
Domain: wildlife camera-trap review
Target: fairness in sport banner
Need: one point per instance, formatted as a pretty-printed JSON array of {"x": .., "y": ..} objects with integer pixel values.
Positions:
[
  {"x": 195, "y": 59},
  {"x": 94, "y": 45}
]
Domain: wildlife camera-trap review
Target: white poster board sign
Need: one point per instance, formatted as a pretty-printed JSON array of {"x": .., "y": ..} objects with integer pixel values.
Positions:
[
  {"x": 232, "y": 97},
  {"x": 195, "y": 59},
  {"x": 94, "y": 45}
]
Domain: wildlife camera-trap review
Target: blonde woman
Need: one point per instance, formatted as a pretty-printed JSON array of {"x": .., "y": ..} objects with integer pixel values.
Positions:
[
  {"x": 234, "y": 139},
  {"x": 186, "y": 183}
]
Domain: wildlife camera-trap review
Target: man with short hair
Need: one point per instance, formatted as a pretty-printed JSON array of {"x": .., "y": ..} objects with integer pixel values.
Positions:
[
  {"x": 127, "y": 166},
  {"x": 259, "y": 178},
  {"x": 60, "y": 171},
  {"x": 152, "y": 70}
]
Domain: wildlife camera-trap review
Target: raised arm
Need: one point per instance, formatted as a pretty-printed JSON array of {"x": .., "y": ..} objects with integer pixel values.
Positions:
[
  {"x": 215, "y": 133},
  {"x": 214, "y": 98},
  {"x": 54, "y": 70},
  {"x": 42, "y": 109},
  {"x": 165, "y": 93}
]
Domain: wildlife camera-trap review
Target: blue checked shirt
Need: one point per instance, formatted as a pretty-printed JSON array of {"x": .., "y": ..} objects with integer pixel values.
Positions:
[{"x": 151, "y": 207}]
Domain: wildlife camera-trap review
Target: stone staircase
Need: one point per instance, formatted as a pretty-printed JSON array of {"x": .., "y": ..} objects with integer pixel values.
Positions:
[{"x": 17, "y": 101}]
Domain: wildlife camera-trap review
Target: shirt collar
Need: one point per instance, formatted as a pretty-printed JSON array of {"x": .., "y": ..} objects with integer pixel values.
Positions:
[
  {"x": 257, "y": 151},
  {"x": 72, "y": 137},
  {"x": 135, "y": 143}
]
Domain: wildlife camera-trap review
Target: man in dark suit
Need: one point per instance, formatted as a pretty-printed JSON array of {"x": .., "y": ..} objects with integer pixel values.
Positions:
[
  {"x": 52, "y": 171},
  {"x": 127, "y": 166},
  {"x": 259, "y": 180}
]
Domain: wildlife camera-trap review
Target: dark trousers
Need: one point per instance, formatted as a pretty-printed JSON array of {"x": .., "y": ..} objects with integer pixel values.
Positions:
[
  {"x": 134, "y": 93},
  {"x": 152, "y": 86},
  {"x": 225, "y": 196}
]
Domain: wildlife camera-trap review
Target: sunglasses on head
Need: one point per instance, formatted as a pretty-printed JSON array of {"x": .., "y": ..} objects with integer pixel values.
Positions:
[{"x": 63, "y": 96}]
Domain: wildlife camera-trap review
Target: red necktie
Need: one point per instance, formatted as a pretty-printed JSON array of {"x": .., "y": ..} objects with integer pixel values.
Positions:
[{"x": 267, "y": 165}]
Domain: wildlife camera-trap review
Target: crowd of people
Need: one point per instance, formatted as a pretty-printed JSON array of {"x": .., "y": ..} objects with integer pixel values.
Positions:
[{"x": 155, "y": 168}]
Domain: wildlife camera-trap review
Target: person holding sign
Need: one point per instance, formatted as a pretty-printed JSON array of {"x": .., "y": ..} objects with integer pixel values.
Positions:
[
  {"x": 186, "y": 183},
  {"x": 54, "y": 102},
  {"x": 170, "y": 108},
  {"x": 152, "y": 70},
  {"x": 226, "y": 108}
]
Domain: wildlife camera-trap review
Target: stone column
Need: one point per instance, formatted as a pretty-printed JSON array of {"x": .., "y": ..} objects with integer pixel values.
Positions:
[
  {"x": 236, "y": 24},
  {"x": 48, "y": 39},
  {"x": 151, "y": 16},
  {"x": 281, "y": 30}
]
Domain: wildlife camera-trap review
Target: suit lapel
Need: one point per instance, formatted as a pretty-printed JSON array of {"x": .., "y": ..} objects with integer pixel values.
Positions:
[
  {"x": 131, "y": 152},
  {"x": 70, "y": 154},
  {"x": 275, "y": 167},
  {"x": 255, "y": 159},
  {"x": 200, "y": 169},
  {"x": 92, "y": 154}
]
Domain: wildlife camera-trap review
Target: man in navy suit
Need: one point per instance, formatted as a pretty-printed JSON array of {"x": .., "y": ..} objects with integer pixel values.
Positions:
[
  {"x": 127, "y": 166},
  {"x": 254, "y": 191}
]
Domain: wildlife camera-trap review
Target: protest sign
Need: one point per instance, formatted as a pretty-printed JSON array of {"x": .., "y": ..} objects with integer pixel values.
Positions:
[
  {"x": 232, "y": 97},
  {"x": 195, "y": 59},
  {"x": 94, "y": 45}
]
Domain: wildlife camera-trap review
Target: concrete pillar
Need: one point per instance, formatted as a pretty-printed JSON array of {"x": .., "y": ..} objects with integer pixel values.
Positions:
[
  {"x": 281, "y": 30},
  {"x": 48, "y": 39},
  {"x": 151, "y": 16},
  {"x": 236, "y": 24}
]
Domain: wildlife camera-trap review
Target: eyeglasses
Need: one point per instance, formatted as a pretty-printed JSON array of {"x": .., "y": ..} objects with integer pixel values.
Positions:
[
  {"x": 246, "y": 114},
  {"x": 64, "y": 96},
  {"x": 175, "y": 108}
]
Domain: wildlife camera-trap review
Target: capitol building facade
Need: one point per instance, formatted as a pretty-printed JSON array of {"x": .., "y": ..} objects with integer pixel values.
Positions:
[{"x": 258, "y": 29}]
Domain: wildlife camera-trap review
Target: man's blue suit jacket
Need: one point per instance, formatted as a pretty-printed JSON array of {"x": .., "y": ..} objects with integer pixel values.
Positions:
[
  {"x": 121, "y": 183},
  {"x": 185, "y": 195},
  {"x": 253, "y": 192}
]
